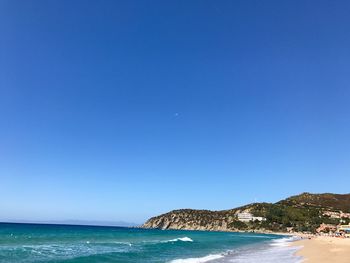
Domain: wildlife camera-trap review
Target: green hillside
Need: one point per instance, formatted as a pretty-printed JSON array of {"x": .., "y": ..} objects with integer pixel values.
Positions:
[{"x": 300, "y": 213}]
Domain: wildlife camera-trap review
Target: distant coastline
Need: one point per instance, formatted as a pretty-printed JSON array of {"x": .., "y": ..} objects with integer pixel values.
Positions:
[{"x": 73, "y": 223}]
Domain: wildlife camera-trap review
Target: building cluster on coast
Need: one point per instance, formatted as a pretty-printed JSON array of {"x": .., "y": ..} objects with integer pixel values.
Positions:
[
  {"x": 334, "y": 230},
  {"x": 337, "y": 214},
  {"x": 337, "y": 230}
]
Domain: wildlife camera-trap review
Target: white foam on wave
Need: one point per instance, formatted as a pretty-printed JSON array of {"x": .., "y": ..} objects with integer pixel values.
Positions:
[
  {"x": 278, "y": 250},
  {"x": 283, "y": 242},
  {"x": 59, "y": 251},
  {"x": 123, "y": 243},
  {"x": 183, "y": 239},
  {"x": 253, "y": 236},
  {"x": 197, "y": 260}
]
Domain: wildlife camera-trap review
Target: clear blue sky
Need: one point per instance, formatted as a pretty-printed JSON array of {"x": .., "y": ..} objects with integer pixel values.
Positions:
[{"x": 120, "y": 110}]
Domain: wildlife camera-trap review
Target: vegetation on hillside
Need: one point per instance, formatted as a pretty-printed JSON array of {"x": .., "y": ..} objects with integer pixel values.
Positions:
[
  {"x": 301, "y": 213},
  {"x": 335, "y": 202}
]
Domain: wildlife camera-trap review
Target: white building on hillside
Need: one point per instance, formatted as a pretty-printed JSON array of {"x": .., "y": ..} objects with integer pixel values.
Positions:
[{"x": 247, "y": 217}]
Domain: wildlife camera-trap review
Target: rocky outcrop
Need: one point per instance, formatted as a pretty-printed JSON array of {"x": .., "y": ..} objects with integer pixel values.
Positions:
[{"x": 195, "y": 220}]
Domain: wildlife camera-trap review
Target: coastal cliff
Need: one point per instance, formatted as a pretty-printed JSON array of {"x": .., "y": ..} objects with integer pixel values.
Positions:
[
  {"x": 194, "y": 219},
  {"x": 301, "y": 213}
]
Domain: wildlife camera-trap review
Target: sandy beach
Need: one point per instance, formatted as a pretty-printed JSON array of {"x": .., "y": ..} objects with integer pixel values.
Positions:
[{"x": 324, "y": 250}]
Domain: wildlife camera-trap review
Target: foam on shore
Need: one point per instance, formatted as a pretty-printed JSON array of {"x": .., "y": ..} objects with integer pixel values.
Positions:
[
  {"x": 198, "y": 260},
  {"x": 278, "y": 250}
]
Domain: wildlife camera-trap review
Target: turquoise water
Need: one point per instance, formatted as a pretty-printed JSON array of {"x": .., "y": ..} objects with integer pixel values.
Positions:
[{"x": 63, "y": 243}]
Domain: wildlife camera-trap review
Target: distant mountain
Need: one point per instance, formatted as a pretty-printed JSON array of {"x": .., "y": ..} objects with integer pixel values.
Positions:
[{"x": 300, "y": 213}]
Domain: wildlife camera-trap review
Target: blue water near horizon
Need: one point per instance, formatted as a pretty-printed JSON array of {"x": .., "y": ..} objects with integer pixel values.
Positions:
[{"x": 73, "y": 244}]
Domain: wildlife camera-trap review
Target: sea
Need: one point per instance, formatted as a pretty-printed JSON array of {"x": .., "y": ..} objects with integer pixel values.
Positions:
[{"x": 73, "y": 244}]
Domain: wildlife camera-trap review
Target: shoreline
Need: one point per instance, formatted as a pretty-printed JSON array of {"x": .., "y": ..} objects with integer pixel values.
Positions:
[
  {"x": 257, "y": 231},
  {"x": 323, "y": 249}
]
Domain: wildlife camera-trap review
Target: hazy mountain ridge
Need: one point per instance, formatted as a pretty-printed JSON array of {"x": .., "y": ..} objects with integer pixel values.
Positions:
[{"x": 304, "y": 212}]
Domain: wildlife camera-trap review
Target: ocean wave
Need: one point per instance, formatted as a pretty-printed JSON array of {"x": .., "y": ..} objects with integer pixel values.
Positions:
[
  {"x": 183, "y": 239},
  {"x": 198, "y": 260},
  {"x": 123, "y": 243},
  {"x": 255, "y": 236},
  {"x": 41, "y": 252},
  {"x": 283, "y": 242}
]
